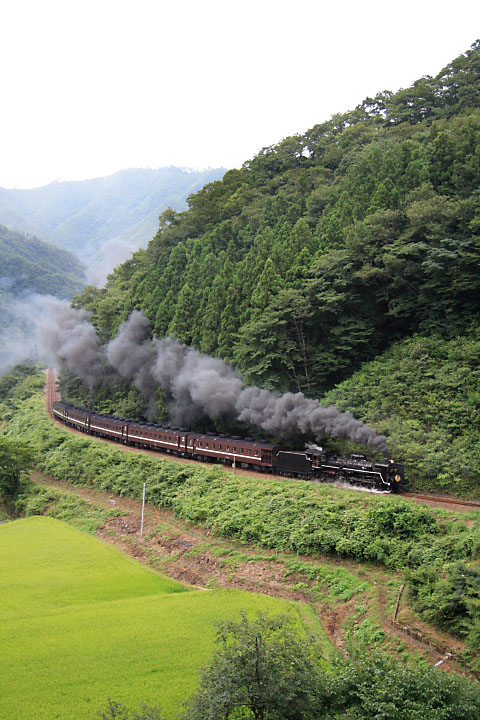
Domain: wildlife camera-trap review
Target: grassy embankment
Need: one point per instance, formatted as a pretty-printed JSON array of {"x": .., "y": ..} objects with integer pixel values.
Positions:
[{"x": 81, "y": 621}]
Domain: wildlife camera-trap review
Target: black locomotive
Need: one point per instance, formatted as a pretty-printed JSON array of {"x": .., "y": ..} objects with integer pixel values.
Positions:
[{"x": 310, "y": 464}]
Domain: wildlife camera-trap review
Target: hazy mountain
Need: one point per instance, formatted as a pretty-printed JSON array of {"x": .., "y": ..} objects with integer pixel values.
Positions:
[
  {"x": 31, "y": 265},
  {"x": 30, "y": 271},
  {"x": 104, "y": 219}
]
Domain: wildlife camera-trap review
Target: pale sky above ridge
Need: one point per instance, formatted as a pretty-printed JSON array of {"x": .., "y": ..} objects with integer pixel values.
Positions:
[{"x": 93, "y": 87}]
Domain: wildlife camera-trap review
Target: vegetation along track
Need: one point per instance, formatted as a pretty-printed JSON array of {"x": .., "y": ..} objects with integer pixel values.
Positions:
[{"x": 52, "y": 394}]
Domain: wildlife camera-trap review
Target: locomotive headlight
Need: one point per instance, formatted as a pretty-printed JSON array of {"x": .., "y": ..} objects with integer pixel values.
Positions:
[{"x": 398, "y": 478}]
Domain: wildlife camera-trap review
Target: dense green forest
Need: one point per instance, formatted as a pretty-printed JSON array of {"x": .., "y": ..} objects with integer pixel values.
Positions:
[{"x": 331, "y": 249}]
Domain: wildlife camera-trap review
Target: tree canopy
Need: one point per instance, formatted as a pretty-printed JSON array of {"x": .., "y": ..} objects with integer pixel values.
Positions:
[{"x": 15, "y": 459}]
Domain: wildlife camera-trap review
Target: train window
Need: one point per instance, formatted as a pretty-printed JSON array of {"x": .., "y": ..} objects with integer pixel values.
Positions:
[
  {"x": 219, "y": 447},
  {"x": 234, "y": 449},
  {"x": 213, "y": 446},
  {"x": 256, "y": 453},
  {"x": 206, "y": 445},
  {"x": 228, "y": 448}
]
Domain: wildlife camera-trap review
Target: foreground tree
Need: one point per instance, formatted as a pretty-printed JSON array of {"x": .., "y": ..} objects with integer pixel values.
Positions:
[
  {"x": 15, "y": 459},
  {"x": 266, "y": 669},
  {"x": 263, "y": 669}
]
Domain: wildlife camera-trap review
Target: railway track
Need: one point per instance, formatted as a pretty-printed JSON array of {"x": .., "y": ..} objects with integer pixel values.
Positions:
[
  {"x": 52, "y": 395},
  {"x": 442, "y": 500},
  {"x": 51, "y": 391}
]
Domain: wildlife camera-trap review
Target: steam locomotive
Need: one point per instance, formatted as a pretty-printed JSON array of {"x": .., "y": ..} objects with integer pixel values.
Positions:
[{"x": 315, "y": 463}]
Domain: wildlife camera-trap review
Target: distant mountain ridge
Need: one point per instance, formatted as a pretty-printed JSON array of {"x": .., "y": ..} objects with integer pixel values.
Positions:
[
  {"x": 28, "y": 265},
  {"x": 30, "y": 270},
  {"x": 82, "y": 216}
]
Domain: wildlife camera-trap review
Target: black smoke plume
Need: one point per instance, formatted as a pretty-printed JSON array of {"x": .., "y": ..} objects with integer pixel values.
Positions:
[
  {"x": 201, "y": 385},
  {"x": 197, "y": 384},
  {"x": 69, "y": 341}
]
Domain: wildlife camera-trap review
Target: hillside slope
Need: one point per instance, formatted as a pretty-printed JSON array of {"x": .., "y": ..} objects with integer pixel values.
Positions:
[
  {"x": 30, "y": 265},
  {"x": 30, "y": 268},
  {"x": 425, "y": 392},
  {"x": 326, "y": 248}
]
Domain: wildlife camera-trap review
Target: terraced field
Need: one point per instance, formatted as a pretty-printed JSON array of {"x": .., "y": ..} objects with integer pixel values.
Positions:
[{"x": 81, "y": 622}]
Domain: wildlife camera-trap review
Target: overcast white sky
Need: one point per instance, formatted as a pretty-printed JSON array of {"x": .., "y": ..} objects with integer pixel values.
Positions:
[{"x": 89, "y": 87}]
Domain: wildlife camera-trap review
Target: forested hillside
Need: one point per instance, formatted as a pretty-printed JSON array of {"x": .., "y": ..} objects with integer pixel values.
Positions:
[
  {"x": 30, "y": 265},
  {"x": 328, "y": 248}
]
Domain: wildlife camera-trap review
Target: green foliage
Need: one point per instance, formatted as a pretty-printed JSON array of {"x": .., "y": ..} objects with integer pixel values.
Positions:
[
  {"x": 262, "y": 668},
  {"x": 34, "y": 499},
  {"x": 449, "y": 597},
  {"x": 118, "y": 711},
  {"x": 15, "y": 459},
  {"x": 341, "y": 583},
  {"x": 376, "y": 687},
  {"x": 367, "y": 634},
  {"x": 424, "y": 392},
  {"x": 20, "y": 383}
]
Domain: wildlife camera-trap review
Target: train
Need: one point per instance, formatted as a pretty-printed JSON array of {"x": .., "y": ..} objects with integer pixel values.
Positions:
[{"x": 314, "y": 463}]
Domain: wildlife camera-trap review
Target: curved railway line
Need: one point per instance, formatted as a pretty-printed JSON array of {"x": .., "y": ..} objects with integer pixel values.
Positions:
[
  {"x": 442, "y": 500},
  {"x": 52, "y": 395}
]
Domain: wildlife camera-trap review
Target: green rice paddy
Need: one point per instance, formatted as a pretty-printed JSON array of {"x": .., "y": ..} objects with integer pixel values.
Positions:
[{"x": 81, "y": 622}]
